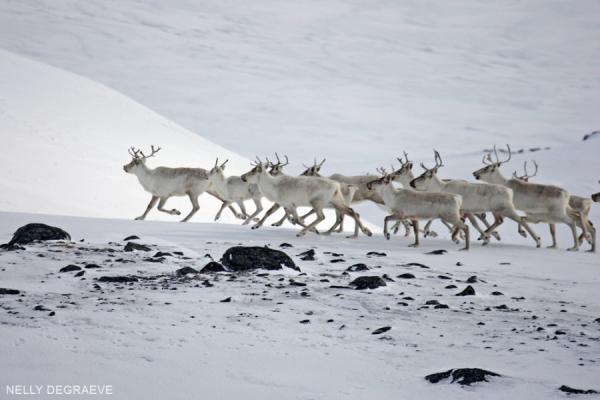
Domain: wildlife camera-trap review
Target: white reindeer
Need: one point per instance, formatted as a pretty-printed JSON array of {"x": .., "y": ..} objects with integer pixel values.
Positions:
[
  {"x": 541, "y": 203},
  {"x": 233, "y": 190},
  {"x": 414, "y": 205},
  {"x": 291, "y": 192},
  {"x": 582, "y": 205},
  {"x": 164, "y": 182},
  {"x": 477, "y": 198}
]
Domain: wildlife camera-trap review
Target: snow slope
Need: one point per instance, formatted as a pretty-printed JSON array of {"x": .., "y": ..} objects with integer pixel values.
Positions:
[
  {"x": 65, "y": 139},
  {"x": 174, "y": 338},
  {"x": 354, "y": 81}
]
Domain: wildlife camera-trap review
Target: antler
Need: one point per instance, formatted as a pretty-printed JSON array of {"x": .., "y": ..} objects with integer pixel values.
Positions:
[
  {"x": 279, "y": 161},
  {"x": 534, "y": 172},
  {"x": 405, "y": 157},
  {"x": 382, "y": 171},
  {"x": 223, "y": 165},
  {"x": 133, "y": 152},
  {"x": 438, "y": 159},
  {"x": 498, "y": 158},
  {"x": 487, "y": 158},
  {"x": 321, "y": 163},
  {"x": 152, "y": 149}
]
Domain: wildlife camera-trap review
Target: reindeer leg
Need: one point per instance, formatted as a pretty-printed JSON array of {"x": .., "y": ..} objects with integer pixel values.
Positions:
[
  {"x": 483, "y": 219},
  {"x": 161, "y": 205},
  {"x": 572, "y": 225},
  {"x": 482, "y": 235},
  {"x": 195, "y": 206},
  {"x": 150, "y": 206},
  {"x": 311, "y": 226},
  {"x": 415, "y": 224},
  {"x": 271, "y": 210},
  {"x": 233, "y": 210},
  {"x": 242, "y": 208},
  {"x": 344, "y": 209},
  {"x": 388, "y": 218},
  {"x": 259, "y": 208},
  {"x": 338, "y": 219},
  {"x": 225, "y": 204}
]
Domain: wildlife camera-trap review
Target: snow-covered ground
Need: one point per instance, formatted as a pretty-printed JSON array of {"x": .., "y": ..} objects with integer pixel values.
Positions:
[{"x": 173, "y": 338}]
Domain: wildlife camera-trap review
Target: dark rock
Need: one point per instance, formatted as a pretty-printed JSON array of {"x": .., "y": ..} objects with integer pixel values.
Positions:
[
  {"x": 337, "y": 260},
  {"x": 415, "y": 264},
  {"x": 444, "y": 277},
  {"x": 570, "y": 390},
  {"x": 472, "y": 279},
  {"x": 462, "y": 376},
  {"x": 440, "y": 306},
  {"x": 387, "y": 278},
  {"x": 406, "y": 276},
  {"x": 450, "y": 287},
  {"x": 51, "y": 314},
  {"x": 206, "y": 283},
  {"x": 305, "y": 321},
  {"x": 376, "y": 254},
  {"x": 381, "y": 330},
  {"x": 11, "y": 247},
  {"x": 162, "y": 254},
  {"x": 241, "y": 258},
  {"x": 333, "y": 254},
  {"x": 368, "y": 282},
  {"x": 211, "y": 267},
  {"x": 225, "y": 300},
  {"x": 132, "y": 237},
  {"x": 590, "y": 135},
  {"x": 468, "y": 291},
  {"x": 285, "y": 245},
  {"x": 9, "y": 291},
  {"x": 339, "y": 287},
  {"x": 92, "y": 266},
  {"x": 308, "y": 255},
  {"x": 117, "y": 279},
  {"x": 80, "y": 273},
  {"x": 497, "y": 294},
  {"x": 294, "y": 283},
  {"x": 431, "y": 302},
  {"x": 70, "y": 268},
  {"x": 437, "y": 252},
  {"x": 33, "y": 232},
  {"x": 131, "y": 246},
  {"x": 41, "y": 308},
  {"x": 357, "y": 267},
  {"x": 185, "y": 270}
]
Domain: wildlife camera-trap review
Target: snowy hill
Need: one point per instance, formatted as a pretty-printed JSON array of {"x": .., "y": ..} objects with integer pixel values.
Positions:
[
  {"x": 356, "y": 82},
  {"x": 65, "y": 139}
]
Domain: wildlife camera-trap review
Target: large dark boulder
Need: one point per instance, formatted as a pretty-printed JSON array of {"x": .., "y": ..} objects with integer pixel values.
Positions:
[
  {"x": 462, "y": 376},
  {"x": 33, "y": 232},
  {"x": 242, "y": 258},
  {"x": 211, "y": 267},
  {"x": 368, "y": 282}
]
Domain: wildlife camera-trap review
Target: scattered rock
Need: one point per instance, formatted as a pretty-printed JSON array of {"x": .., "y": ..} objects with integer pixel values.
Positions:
[
  {"x": 70, "y": 268},
  {"x": 590, "y": 135},
  {"x": 381, "y": 330},
  {"x": 462, "y": 376},
  {"x": 305, "y": 321},
  {"x": 92, "y": 266},
  {"x": 387, "y": 278},
  {"x": 337, "y": 260},
  {"x": 451, "y": 287},
  {"x": 242, "y": 258},
  {"x": 80, "y": 273},
  {"x": 431, "y": 302},
  {"x": 308, "y": 255},
  {"x": 160, "y": 254},
  {"x": 357, "y": 267},
  {"x": 443, "y": 277},
  {"x": 41, "y": 308},
  {"x": 185, "y": 270},
  {"x": 211, "y": 267},
  {"x": 117, "y": 279},
  {"x": 415, "y": 264},
  {"x": 285, "y": 245},
  {"x": 131, "y": 246},
  {"x": 9, "y": 291},
  {"x": 376, "y": 254},
  {"x": 225, "y": 300},
  {"x": 34, "y": 232},
  {"x": 567, "y": 389},
  {"x": 437, "y": 252},
  {"x": 132, "y": 237},
  {"x": 468, "y": 291},
  {"x": 497, "y": 294},
  {"x": 294, "y": 283},
  {"x": 406, "y": 276},
  {"x": 440, "y": 306},
  {"x": 472, "y": 279},
  {"x": 368, "y": 282}
]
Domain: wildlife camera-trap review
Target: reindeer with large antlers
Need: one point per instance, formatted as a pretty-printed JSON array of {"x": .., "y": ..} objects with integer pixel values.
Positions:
[
  {"x": 291, "y": 192},
  {"x": 164, "y": 182},
  {"x": 582, "y": 205},
  {"x": 477, "y": 198},
  {"x": 541, "y": 203},
  {"x": 233, "y": 190}
]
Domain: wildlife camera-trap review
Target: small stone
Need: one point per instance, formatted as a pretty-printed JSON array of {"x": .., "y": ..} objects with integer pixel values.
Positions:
[
  {"x": 41, "y": 308},
  {"x": 132, "y": 237},
  {"x": 308, "y": 255},
  {"x": 285, "y": 245},
  {"x": 185, "y": 270},
  {"x": 462, "y": 376},
  {"x": 92, "y": 266},
  {"x": 70, "y": 268},
  {"x": 225, "y": 300},
  {"x": 357, "y": 267},
  {"x": 437, "y": 252},
  {"x": 381, "y": 330},
  {"x": 211, "y": 267},
  {"x": 468, "y": 291},
  {"x": 132, "y": 246},
  {"x": 337, "y": 260},
  {"x": 406, "y": 276},
  {"x": 441, "y": 306},
  {"x": 305, "y": 321},
  {"x": 567, "y": 389},
  {"x": 9, "y": 291},
  {"x": 37, "y": 232},
  {"x": 80, "y": 273},
  {"x": 376, "y": 254},
  {"x": 497, "y": 294},
  {"x": 117, "y": 279},
  {"x": 451, "y": 287},
  {"x": 368, "y": 282},
  {"x": 472, "y": 279}
]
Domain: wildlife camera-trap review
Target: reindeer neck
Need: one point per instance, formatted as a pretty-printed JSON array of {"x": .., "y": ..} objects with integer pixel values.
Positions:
[
  {"x": 498, "y": 179},
  {"x": 145, "y": 176},
  {"x": 219, "y": 184}
]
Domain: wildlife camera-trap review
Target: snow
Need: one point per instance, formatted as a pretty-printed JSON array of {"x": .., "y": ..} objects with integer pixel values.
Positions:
[{"x": 146, "y": 344}]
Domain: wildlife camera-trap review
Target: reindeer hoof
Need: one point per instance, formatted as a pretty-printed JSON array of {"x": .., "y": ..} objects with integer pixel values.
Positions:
[
  {"x": 255, "y": 227},
  {"x": 300, "y": 234},
  {"x": 413, "y": 245},
  {"x": 464, "y": 249},
  {"x": 352, "y": 237},
  {"x": 573, "y": 248},
  {"x": 522, "y": 233},
  {"x": 138, "y": 219},
  {"x": 175, "y": 212},
  {"x": 368, "y": 232},
  {"x": 387, "y": 236},
  {"x": 552, "y": 246}
]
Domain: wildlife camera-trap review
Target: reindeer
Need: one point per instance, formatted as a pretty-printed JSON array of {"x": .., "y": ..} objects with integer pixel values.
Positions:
[
  {"x": 414, "y": 205},
  {"x": 541, "y": 203},
  {"x": 596, "y": 197},
  {"x": 233, "y": 189},
  {"x": 291, "y": 192},
  {"x": 580, "y": 204},
  {"x": 164, "y": 182},
  {"x": 477, "y": 198}
]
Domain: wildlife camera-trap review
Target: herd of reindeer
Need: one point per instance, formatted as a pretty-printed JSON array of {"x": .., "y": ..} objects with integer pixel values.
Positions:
[{"x": 425, "y": 197}]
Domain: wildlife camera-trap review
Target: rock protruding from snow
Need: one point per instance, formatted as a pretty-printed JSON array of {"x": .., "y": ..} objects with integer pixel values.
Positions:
[
  {"x": 570, "y": 390},
  {"x": 37, "y": 232},
  {"x": 9, "y": 291},
  {"x": 212, "y": 267},
  {"x": 468, "y": 291},
  {"x": 133, "y": 246},
  {"x": 242, "y": 258},
  {"x": 368, "y": 282},
  {"x": 185, "y": 270},
  {"x": 462, "y": 376},
  {"x": 588, "y": 136}
]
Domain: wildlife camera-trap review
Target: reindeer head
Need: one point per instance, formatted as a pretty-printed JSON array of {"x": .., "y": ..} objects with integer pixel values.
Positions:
[
  {"x": 525, "y": 177},
  {"x": 138, "y": 159},
  {"x": 428, "y": 180},
  {"x": 217, "y": 169},
  {"x": 491, "y": 172},
  {"x": 404, "y": 174},
  {"x": 276, "y": 169},
  {"x": 314, "y": 170},
  {"x": 254, "y": 174}
]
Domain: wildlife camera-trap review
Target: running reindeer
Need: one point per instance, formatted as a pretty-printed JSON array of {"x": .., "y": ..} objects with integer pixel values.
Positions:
[
  {"x": 477, "y": 198},
  {"x": 582, "y": 205},
  {"x": 164, "y": 182},
  {"x": 291, "y": 192},
  {"x": 541, "y": 203}
]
